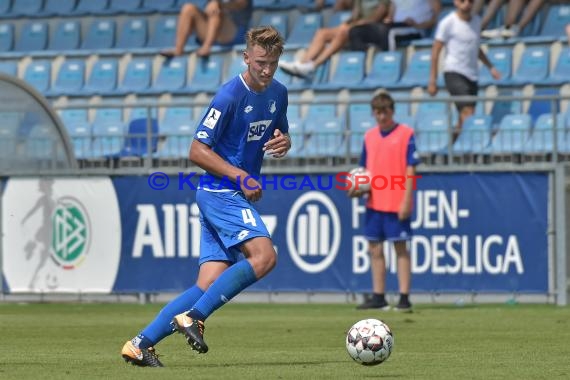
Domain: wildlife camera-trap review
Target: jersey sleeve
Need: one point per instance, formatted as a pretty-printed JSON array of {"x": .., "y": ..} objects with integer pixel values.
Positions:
[
  {"x": 412, "y": 156},
  {"x": 217, "y": 117},
  {"x": 283, "y": 123},
  {"x": 362, "y": 162}
]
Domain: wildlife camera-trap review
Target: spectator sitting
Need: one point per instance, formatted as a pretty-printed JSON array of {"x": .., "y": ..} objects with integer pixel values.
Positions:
[
  {"x": 568, "y": 33},
  {"x": 411, "y": 20},
  {"x": 339, "y": 5},
  {"x": 511, "y": 27},
  {"x": 221, "y": 22},
  {"x": 328, "y": 41}
]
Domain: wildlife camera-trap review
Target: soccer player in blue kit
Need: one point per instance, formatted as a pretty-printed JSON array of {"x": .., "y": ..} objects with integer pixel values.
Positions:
[{"x": 246, "y": 120}]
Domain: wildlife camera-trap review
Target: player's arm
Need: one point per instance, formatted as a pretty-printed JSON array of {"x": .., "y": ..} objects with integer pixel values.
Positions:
[{"x": 202, "y": 155}]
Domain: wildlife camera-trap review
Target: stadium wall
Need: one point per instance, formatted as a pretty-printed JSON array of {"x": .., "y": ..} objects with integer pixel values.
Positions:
[{"x": 481, "y": 232}]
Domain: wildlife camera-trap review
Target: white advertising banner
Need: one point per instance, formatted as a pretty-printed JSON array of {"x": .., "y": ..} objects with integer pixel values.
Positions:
[{"x": 60, "y": 235}]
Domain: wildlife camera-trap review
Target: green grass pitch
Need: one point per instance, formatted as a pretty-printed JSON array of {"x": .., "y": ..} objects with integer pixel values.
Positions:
[{"x": 305, "y": 341}]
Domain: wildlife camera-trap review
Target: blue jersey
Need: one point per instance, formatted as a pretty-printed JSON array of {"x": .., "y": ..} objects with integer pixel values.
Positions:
[{"x": 239, "y": 121}]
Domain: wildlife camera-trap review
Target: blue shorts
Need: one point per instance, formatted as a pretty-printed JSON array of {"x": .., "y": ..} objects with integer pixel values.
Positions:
[
  {"x": 380, "y": 226},
  {"x": 227, "y": 220}
]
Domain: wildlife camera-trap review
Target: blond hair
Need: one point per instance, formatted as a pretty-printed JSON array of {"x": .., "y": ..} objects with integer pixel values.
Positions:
[{"x": 267, "y": 37}]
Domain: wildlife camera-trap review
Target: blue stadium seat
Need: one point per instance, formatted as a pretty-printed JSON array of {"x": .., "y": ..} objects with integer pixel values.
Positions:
[
  {"x": 178, "y": 128},
  {"x": 164, "y": 33},
  {"x": 432, "y": 134},
  {"x": 59, "y": 7},
  {"x": 303, "y": 30},
  {"x": 171, "y": 76},
  {"x": 542, "y": 138},
  {"x": 338, "y": 18},
  {"x": 22, "y": 8},
  {"x": 124, "y": 6},
  {"x": 70, "y": 116},
  {"x": 501, "y": 108},
  {"x": 561, "y": 72},
  {"x": 142, "y": 113},
  {"x": 9, "y": 125},
  {"x": 100, "y": 35},
  {"x": 103, "y": 77},
  {"x": 533, "y": 66},
  {"x": 136, "y": 141},
  {"x": 426, "y": 109},
  {"x": 108, "y": 139},
  {"x": 41, "y": 143},
  {"x": 320, "y": 111},
  {"x": 81, "y": 136},
  {"x": 5, "y": 8},
  {"x": 417, "y": 72},
  {"x": 360, "y": 119},
  {"x": 475, "y": 135},
  {"x": 538, "y": 107},
  {"x": 207, "y": 75},
  {"x": 320, "y": 76},
  {"x": 349, "y": 71},
  {"x": 326, "y": 137},
  {"x": 502, "y": 59},
  {"x": 297, "y": 134},
  {"x": 279, "y": 20},
  {"x": 386, "y": 70},
  {"x": 66, "y": 37},
  {"x": 133, "y": 34},
  {"x": 33, "y": 37},
  {"x": 237, "y": 66},
  {"x": 91, "y": 7},
  {"x": 137, "y": 77},
  {"x": 6, "y": 37},
  {"x": 512, "y": 134},
  {"x": 70, "y": 79},
  {"x": 556, "y": 20},
  {"x": 108, "y": 116},
  {"x": 9, "y": 67},
  {"x": 38, "y": 75},
  {"x": 159, "y": 6},
  {"x": 174, "y": 116}
]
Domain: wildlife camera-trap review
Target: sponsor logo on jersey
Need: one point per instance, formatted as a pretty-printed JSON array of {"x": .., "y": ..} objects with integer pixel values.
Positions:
[
  {"x": 248, "y": 109},
  {"x": 257, "y": 129},
  {"x": 212, "y": 118},
  {"x": 202, "y": 135},
  {"x": 272, "y": 106}
]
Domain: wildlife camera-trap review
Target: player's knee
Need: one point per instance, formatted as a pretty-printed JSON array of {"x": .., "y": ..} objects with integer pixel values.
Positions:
[
  {"x": 188, "y": 9},
  {"x": 264, "y": 262}
]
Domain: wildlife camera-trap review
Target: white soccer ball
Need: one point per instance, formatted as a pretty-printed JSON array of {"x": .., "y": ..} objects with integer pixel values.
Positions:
[
  {"x": 360, "y": 179},
  {"x": 369, "y": 342}
]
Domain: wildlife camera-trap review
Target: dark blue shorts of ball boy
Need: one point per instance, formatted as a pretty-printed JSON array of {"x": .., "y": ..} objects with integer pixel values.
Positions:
[
  {"x": 227, "y": 220},
  {"x": 380, "y": 226}
]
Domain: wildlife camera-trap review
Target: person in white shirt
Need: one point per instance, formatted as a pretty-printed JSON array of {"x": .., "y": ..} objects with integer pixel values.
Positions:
[
  {"x": 412, "y": 19},
  {"x": 459, "y": 32}
]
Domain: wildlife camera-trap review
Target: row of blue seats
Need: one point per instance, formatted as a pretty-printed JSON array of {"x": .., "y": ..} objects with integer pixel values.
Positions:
[
  {"x": 133, "y": 34},
  {"x": 206, "y": 75},
  {"x": 63, "y": 8},
  {"x": 517, "y": 134},
  {"x": 49, "y": 8}
]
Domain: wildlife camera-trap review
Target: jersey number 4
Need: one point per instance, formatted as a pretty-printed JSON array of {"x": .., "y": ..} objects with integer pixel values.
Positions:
[{"x": 248, "y": 217}]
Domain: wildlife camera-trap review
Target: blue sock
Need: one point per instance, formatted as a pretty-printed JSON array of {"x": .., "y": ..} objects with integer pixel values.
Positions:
[
  {"x": 230, "y": 283},
  {"x": 160, "y": 328}
]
